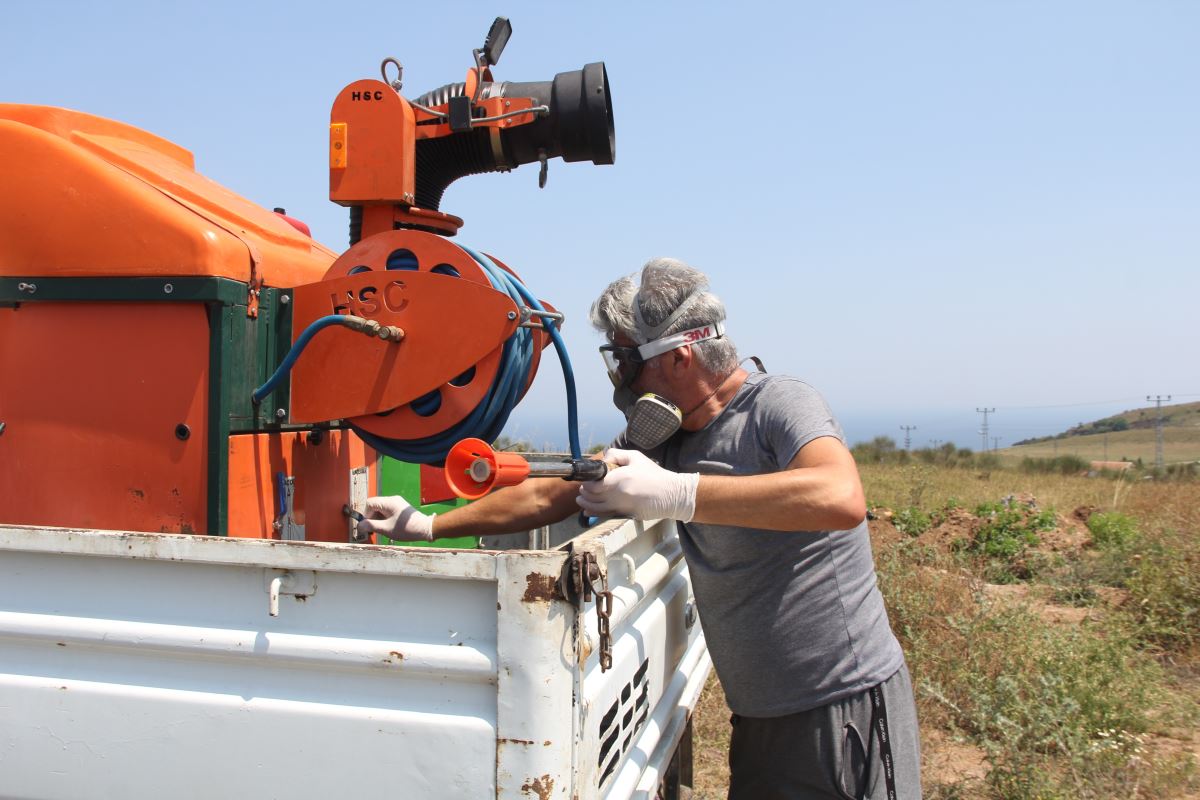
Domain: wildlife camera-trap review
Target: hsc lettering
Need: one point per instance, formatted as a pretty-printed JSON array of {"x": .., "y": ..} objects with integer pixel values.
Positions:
[
  {"x": 367, "y": 96},
  {"x": 366, "y": 302}
]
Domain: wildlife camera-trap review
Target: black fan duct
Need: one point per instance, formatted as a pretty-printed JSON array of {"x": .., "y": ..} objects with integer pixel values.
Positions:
[{"x": 579, "y": 127}]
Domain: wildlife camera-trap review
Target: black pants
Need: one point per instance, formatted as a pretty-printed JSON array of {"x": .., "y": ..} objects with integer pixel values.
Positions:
[{"x": 828, "y": 752}]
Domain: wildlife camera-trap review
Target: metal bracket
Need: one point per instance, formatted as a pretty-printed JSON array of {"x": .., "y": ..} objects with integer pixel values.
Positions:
[
  {"x": 289, "y": 529},
  {"x": 254, "y": 285},
  {"x": 300, "y": 584},
  {"x": 359, "y": 489},
  {"x": 528, "y": 313}
]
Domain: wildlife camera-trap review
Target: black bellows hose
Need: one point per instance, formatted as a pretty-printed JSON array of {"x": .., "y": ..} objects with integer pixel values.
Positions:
[{"x": 579, "y": 127}]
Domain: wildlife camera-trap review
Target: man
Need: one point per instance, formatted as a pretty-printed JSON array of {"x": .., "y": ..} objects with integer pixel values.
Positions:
[{"x": 772, "y": 524}]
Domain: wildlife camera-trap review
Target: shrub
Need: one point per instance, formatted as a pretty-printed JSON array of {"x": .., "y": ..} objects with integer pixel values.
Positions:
[
  {"x": 1164, "y": 590},
  {"x": 1183, "y": 472},
  {"x": 1004, "y": 539},
  {"x": 1058, "y": 711},
  {"x": 1043, "y": 521},
  {"x": 1112, "y": 530},
  {"x": 912, "y": 521},
  {"x": 1059, "y": 465},
  {"x": 988, "y": 461},
  {"x": 1005, "y": 535}
]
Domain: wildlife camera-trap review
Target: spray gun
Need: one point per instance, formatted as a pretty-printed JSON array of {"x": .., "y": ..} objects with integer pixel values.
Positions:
[{"x": 474, "y": 468}]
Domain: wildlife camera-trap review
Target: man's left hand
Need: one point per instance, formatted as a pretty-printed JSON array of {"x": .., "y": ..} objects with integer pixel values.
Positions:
[{"x": 639, "y": 488}]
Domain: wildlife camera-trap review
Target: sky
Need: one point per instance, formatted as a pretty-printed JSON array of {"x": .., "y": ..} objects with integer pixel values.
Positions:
[{"x": 920, "y": 208}]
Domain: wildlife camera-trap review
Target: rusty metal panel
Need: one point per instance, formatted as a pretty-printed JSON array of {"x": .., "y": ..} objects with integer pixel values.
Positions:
[{"x": 535, "y": 678}]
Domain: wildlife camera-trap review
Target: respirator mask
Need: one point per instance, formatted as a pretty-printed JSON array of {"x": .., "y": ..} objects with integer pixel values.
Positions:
[{"x": 650, "y": 419}]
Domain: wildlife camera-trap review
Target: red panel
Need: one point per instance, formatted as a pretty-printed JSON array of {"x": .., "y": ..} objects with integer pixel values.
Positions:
[
  {"x": 434, "y": 486},
  {"x": 91, "y": 395},
  {"x": 322, "y": 486}
]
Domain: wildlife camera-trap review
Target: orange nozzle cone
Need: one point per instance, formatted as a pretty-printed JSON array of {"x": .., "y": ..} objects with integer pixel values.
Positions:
[{"x": 473, "y": 469}]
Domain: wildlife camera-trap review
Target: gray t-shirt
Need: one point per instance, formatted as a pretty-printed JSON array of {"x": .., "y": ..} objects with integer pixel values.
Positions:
[{"x": 793, "y": 620}]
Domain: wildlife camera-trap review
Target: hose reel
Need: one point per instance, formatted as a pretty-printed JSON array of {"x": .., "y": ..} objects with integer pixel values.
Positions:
[{"x": 471, "y": 347}]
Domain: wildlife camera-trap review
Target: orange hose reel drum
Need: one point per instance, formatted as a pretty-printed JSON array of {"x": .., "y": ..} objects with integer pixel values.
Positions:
[{"x": 455, "y": 326}]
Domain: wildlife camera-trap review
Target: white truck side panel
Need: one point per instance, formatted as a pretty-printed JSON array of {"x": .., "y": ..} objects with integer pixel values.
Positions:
[
  {"x": 125, "y": 678},
  {"x": 133, "y": 664}
]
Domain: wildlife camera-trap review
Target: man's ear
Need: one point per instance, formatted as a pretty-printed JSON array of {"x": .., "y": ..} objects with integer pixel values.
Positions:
[{"x": 682, "y": 357}]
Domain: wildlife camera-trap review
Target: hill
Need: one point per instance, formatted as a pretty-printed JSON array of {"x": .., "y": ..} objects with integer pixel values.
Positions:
[{"x": 1127, "y": 436}]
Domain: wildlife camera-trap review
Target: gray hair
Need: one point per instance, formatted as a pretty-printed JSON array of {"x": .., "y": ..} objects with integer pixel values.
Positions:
[{"x": 665, "y": 284}]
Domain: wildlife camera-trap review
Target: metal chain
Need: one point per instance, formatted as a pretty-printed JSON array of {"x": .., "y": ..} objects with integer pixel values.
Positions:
[
  {"x": 603, "y": 612},
  {"x": 584, "y": 568}
]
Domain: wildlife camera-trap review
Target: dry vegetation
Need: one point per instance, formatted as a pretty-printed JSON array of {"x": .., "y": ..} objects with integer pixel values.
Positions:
[
  {"x": 1052, "y": 626},
  {"x": 1183, "y": 445},
  {"x": 1128, "y": 436}
]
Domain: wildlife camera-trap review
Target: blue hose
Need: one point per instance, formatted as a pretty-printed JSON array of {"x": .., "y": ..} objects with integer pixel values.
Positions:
[
  {"x": 551, "y": 327},
  {"x": 289, "y": 360},
  {"x": 488, "y": 418}
]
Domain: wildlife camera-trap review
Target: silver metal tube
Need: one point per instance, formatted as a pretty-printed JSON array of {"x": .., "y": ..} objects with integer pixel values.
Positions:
[{"x": 550, "y": 469}]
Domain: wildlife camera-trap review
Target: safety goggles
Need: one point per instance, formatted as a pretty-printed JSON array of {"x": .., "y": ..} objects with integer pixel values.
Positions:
[{"x": 625, "y": 363}]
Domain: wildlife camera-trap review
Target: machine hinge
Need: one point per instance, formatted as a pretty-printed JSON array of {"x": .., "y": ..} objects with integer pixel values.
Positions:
[
  {"x": 253, "y": 290},
  {"x": 255, "y": 284},
  {"x": 578, "y": 584}
]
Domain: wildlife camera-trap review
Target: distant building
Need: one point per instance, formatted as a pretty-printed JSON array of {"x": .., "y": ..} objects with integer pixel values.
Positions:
[{"x": 1111, "y": 466}]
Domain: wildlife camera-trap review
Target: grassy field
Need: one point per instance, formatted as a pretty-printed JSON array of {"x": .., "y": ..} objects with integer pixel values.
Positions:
[
  {"x": 1179, "y": 444},
  {"x": 1054, "y": 640},
  {"x": 1101, "y": 440}
]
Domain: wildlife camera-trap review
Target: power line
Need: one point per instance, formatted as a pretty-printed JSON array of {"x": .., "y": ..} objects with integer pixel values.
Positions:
[
  {"x": 1091, "y": 403},
  {"x": 983, "y": 432},
  {"x": 1158, "y": 434},
  {"x": 908, "y": 429},
  {"x": 1074, "y": 405}
]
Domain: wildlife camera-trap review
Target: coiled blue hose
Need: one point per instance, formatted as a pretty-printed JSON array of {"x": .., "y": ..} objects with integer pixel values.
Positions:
[
  {"x": 488, "y": 418},
  {"x": 289, "y": 360}
]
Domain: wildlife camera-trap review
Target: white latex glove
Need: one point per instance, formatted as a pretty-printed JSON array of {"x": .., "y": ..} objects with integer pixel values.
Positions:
[
  {"x": 396, "y": 519},
  {"x": 639, "y": 488}
]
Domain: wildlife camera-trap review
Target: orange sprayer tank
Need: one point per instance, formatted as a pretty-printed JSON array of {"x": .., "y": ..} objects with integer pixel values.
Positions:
[{"x": 140, "y": 304}]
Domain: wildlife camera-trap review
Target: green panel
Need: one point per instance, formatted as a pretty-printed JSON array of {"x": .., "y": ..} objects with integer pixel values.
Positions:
[
  {"x": 219, "y": 348},
  {"x": 258, "y": 345},
  {"x": 404, "y": 479},
  {"x": 166, "y": 290}
]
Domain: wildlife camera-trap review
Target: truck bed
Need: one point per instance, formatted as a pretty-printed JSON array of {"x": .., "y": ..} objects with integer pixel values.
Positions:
[{"x": 132, "y": 663}]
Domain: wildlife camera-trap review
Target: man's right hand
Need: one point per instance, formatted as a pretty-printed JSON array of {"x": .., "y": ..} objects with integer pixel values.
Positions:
[{"x": 396, "y": 519}]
